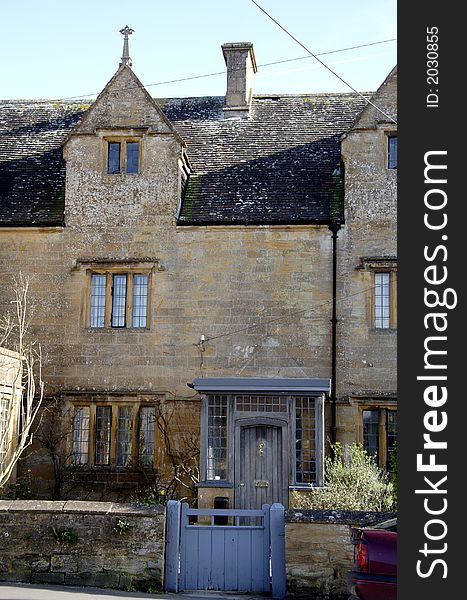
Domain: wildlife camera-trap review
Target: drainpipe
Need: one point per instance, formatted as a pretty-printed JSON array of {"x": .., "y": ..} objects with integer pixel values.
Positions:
[
  {"x": 334, "y": 227},
  {"x": 337, "y": 218}
]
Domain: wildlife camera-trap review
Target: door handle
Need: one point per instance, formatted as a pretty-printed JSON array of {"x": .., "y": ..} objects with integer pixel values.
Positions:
[{"x": 241, "y": 485}]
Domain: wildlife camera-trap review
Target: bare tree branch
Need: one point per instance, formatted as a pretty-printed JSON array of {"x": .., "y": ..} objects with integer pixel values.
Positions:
[{"x": 22, "y": 387}]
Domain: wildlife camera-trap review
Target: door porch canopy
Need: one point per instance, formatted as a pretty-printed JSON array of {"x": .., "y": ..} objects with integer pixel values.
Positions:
[{"x": 267, "y": 385}]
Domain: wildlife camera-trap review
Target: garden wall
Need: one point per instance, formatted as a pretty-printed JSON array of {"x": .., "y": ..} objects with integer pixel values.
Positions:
[
  {"x": 82, "y": 543},
  {"x": 318, "y": 551}
]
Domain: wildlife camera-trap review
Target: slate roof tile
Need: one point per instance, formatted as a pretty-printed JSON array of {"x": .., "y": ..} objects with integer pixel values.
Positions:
[
  {"x": 32, "y": 169},
  {"x": 275, "y": 166}
]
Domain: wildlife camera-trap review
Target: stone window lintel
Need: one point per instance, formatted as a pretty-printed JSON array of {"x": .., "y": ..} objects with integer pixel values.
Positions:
[{"x": 385, "y": 263}]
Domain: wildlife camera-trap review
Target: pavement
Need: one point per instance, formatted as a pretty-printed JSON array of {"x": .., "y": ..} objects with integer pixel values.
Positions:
[{"x": 20, "y": 591}]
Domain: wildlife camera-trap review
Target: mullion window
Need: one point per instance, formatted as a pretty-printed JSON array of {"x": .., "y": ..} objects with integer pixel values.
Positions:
[
  {"x": 113, "y": 162},
  {"x": 123, "y": 157},
  {"x": 147, "y": 423},
  {"x": 305, "y": 440},
  {"x": 118, "y": 301},
  {"x": 81, "y": 436},
  {"x": 111, "y": 426},
  {"x": 391, "y": 434},
  {"x": 123, "y": 297},
  {"x": 103, "y": 428},
  {"x": 132, "y": 157},
  {"x": 382, "y": 300},
  {"x": 371, "y": 433},
  {"x": 140, "y": 301},
  {"x": 379, "y": 434},
  {"x": 98, "y": 293},
  {"x": 124, "y": 435},
  {"x": 392, "y": 152},
  {"x": 216, "y": 459}
]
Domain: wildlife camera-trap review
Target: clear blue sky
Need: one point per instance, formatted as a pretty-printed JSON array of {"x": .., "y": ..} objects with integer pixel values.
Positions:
[{"x": 60, "y": 49}]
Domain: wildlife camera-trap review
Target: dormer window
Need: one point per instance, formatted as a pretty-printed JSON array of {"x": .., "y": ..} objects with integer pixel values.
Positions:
[{"x": 123, "y": 156}]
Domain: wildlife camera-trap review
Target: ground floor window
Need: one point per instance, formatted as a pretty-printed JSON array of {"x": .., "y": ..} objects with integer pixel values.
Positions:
[
  {"x": 114, "y": 434},
  {"x": 379, "y": 433},
  {"x": 216, "y": 455},
  {"x": 305, "y": 440}
]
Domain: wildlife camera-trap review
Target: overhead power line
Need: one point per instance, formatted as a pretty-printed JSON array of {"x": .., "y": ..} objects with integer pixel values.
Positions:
[
  {"x": 310, "y": 312},
  {"x": 269, "y": 64},
  {"x": 321, "y": 62}
]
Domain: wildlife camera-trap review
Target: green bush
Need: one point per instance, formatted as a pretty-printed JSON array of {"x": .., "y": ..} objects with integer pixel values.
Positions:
[
  {"x": 393, "y": 471},
  {"x": 352, "y": 482}
]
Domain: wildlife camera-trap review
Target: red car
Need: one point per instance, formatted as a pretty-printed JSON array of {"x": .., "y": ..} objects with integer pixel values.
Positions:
[{"x": 374, "y": 576}]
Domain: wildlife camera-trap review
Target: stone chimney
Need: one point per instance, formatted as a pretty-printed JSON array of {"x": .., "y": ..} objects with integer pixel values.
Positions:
[{"x": 241, "y": 66}]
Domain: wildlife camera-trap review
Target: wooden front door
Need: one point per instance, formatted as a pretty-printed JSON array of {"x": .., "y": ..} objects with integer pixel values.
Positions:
[{"x": 260, "y": 464}]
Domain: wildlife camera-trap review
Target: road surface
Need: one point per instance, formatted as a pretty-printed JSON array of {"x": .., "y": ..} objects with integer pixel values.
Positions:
[{"x": 17, "y": 591}]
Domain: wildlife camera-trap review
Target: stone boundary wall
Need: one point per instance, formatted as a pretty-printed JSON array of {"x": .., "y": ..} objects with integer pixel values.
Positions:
[
  {"x": 319, "y": 552},
  {"x": 89, "y": 550}
]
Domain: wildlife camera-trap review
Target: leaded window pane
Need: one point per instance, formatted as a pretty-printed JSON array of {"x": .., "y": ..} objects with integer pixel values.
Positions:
[
  {"x": 140, "y": 301},
  {"x": 147, "y": 423},
  {"x": 118, "y": 300},
  {"x": 216, "y": 459},
  {"x": 102, "y": 435},
  {"x": 305, "y": 440},
  {"x": 392, "y": 152},
  {"x": 391, "y": 433},
  {"x": 261, "y": 403},
  {"x": 113, "y": 165},
  {"x": 382, "y": 300},
  {"x": 81, "y": 436},
  {"x": 371, "y": 433},
  {"x": 132, "y": 157},
  {"x": 98, "y": 285},
  {"x": 124, "y": 434}
]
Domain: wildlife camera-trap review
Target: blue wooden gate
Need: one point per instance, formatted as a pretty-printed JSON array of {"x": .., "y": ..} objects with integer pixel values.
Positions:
[{"x": 223, "y": 549}]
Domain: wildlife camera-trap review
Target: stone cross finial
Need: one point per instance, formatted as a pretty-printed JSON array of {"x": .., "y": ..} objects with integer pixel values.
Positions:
[{"x": 126, "y": 60}]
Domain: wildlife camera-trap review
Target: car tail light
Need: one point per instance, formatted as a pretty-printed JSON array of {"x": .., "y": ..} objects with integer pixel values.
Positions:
[{"x": 361, "y": 556}]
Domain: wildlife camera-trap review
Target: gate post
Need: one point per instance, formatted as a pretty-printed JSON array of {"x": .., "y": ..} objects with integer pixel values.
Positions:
[
  {"x": 277, "y": 524},
  {"x": 172, "y": 545}
]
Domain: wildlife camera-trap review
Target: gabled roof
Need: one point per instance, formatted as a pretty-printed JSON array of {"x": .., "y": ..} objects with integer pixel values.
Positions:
[
  {"x": 274, "y": 167},
  {"x": 384, "y": 98},
  {"x": 110, "y": 109}
]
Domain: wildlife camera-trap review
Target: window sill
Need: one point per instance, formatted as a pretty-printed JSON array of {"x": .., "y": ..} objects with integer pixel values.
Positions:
[
  {"x": 304, "y": 487},
  {"x": 127, "y": 329},
  {"x": 114, "y": 468},
  {"x": 117, "y": 175}
]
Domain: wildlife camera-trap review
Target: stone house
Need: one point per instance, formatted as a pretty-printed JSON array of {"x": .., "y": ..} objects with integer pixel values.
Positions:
[{"x": 184, "y": 255}]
